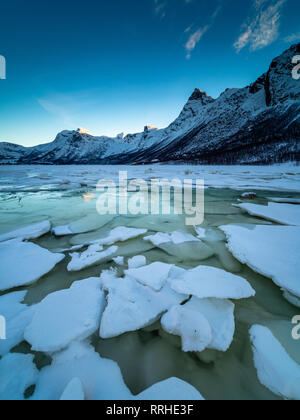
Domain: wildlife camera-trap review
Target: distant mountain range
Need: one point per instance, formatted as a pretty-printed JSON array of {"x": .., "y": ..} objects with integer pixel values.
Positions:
[{"x": 259, "y": 124}]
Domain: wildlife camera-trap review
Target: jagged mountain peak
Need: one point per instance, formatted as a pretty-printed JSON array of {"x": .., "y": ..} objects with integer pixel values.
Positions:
[{"x": 201, "y": 96}]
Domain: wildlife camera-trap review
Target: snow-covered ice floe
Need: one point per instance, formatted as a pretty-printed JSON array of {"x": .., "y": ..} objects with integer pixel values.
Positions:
[
  {"x": 272, "y": 251},
  {"x": 119, "y": 234},
  {"x": 202, "y": 324},
  {"x": 190, "y": 325},
  {"x": 23, "y": 263},
  {"x": 17, "y": 373},
  {"x": 172, "y": 389},
  {"x": 33, "y": 231},
  {"x": 95, "y": 254},
  {"x": 86, "y": 224},
  {"x": 154, "y": 275},
  {"x": 67, "y": 315},
  {"x": 17, "y": 317},
  {"x": 132, "y": 306},
  {"x": 182, "y": 245},
  {"x": 137, "y": 261},
  {"x": 276, "y": 370},
  {"x": 285, "y": 214},
  {"x": 101, "y": 378},
  {"x": 211, "y": 282}
]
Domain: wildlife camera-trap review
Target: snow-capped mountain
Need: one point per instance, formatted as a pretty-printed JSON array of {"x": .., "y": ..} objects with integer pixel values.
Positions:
[{"x": 257, "y": 124}]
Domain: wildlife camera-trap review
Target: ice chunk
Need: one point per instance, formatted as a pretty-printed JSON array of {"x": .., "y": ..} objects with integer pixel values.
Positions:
[
  {"x": 29, "y": 232},
  {"x": 17, "y": 373},
  {"x": 272, "y": 251},
  {"x": 176, "y": 238},
  {"x": 201, "y": 232},
  {"x": 191, "y": 326},
  {"x": 67, "y": 315},
  {"x": 132, "y": 306},
  {"x": 23, "y": 263},
  {"x": 120, "y": 234},
  {"x": 92, "y": 256},
  {"x": 101, "y": 378},
  {"x": 276, "y": 370},
  {"x": 181, "y": 245},
  {"x": 211, "y": 282},
  {"x": 86, "y": 224},
  {"x": 220, "y": 315},
  {"x": 17, "y": 317},
  {"x": 137, "y": 261},
  {"x": 286, "y": 214},
  {"x": 74, "y": 391},
  {"x": 172, "y": 389},
  {"x": 154, "y": 275}
]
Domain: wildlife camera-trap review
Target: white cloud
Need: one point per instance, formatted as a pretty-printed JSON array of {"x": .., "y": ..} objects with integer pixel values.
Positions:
[
  {"x": 263, "y": 29},
  {"x": 194, "y": 38},
  {"x": 292, "y": 38}
]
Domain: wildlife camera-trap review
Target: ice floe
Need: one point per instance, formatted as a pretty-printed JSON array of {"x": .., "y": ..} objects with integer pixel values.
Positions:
[
  {"x": 17, "y": 373},
  {"x": 119, "y": 260},
  {"x": 211, "y": 282},
  {"x": 92, "y": 256},
  {"x": 74, "y": 391},
  {"x": 132, "y": 306},
  {"x": 285, "y": 214},
  {"x": 276, "y": 370},
  {"x": 220, "y": 316},
  {"x": 66, "y": 315},
  {"x": 137, "y": 261},
  {"x": 154, "y": 275},
  {"x": 184, "y": 246},
  {"x": 33, "y": 231},
  {"x": 85, "y": 224},
  {"x": 272, "y": 251},
  {"x": 17, "y": 317},
  {"x": 294, "y": 300},
  {"x": 120, "y": 234},
  {"x": 172, "y": 389},
  {"x": 190, "y": 325},
  {"x": 23, "y": 263},
  {"x": 101, "y": 378}
]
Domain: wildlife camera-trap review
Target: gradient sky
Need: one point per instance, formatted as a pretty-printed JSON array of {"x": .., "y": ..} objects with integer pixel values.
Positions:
[{"x": 115, "y": 66}]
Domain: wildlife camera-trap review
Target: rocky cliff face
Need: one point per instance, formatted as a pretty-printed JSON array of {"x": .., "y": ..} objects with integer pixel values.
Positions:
[{"x": 257, "y": 124}]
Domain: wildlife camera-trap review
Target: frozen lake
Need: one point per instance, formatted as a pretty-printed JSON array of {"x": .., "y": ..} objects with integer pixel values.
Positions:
[{"x": 66, "y": 196}]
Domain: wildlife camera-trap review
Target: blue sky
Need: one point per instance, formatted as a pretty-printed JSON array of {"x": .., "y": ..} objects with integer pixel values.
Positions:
[{"x": 117, "y": 65}]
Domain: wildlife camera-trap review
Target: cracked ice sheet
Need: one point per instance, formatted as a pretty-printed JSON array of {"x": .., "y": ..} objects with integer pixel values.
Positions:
[
  {"x": 66, "y": 316},
  {"x": 17, "y": 317},
  {"x": 211, "y": 282},
  {"x": 23, "y": 263},
  {"x": 272, "y": 251},
  {"x": 285, "y": 214},
  {"x": 33, "y": 231},
  {"x": 92, "y": 256},
  {"x": 17, "y": 373},
  {"x": 276, "y": 370},
  {"x": 86, "y": 224},
  {"x": 132, "y": 306},
  {"x": 220, "y": 315}
]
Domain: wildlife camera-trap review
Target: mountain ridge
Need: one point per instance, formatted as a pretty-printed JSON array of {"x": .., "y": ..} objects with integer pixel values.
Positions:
[{"x": 257, "y": 124}]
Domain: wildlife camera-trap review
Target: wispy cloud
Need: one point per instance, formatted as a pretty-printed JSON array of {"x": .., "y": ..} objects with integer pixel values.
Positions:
[
  {"x": 160, "y": 8},
  {"x": 196, "y": 36},
  {"x": 263, "y": 29},
  {"x": 292, "y": 38}
]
